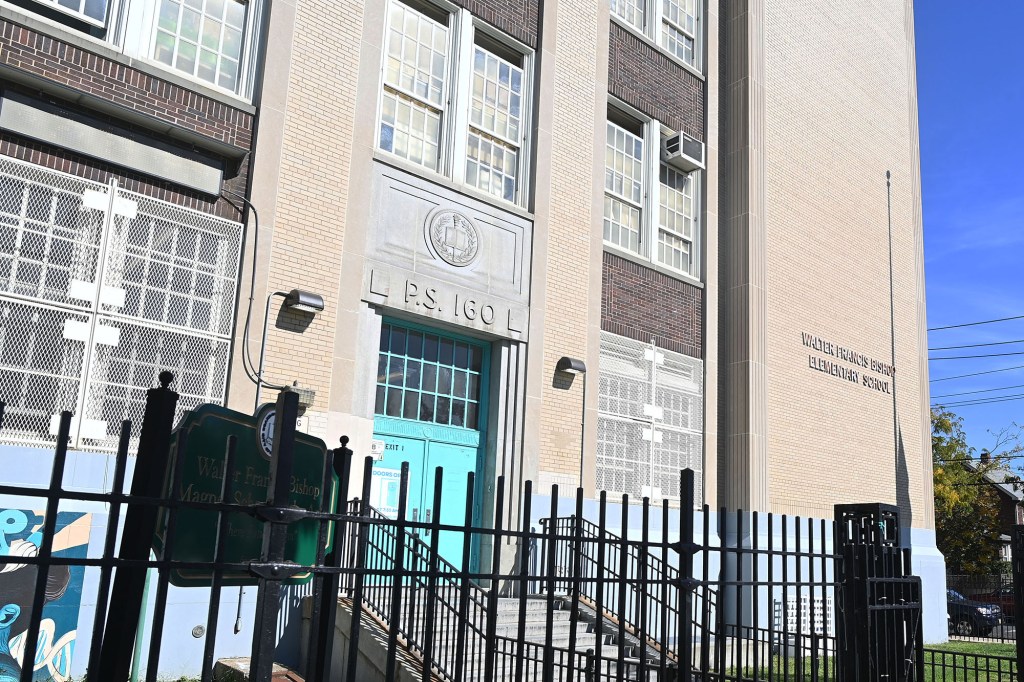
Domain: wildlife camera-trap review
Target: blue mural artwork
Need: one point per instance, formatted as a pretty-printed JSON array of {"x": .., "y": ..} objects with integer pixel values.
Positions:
[{"x": 21, "y": 535}]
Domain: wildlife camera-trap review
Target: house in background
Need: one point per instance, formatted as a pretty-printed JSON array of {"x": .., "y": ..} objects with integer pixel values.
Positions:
[
  {"x": 1010, "y": 489},
  {"x": 995, "y": 586}
]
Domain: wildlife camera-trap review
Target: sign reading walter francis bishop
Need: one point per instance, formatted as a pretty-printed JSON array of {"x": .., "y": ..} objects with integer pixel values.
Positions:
[
  {"x": 202, "y": 476},
  {"x": 849, "y": 365}
]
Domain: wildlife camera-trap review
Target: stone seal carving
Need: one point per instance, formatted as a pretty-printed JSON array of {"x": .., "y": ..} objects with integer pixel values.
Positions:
[{"x": 454, "y": 237}]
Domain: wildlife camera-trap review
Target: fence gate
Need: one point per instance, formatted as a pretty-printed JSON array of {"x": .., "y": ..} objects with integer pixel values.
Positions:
[{"x": 879, "y": 599}]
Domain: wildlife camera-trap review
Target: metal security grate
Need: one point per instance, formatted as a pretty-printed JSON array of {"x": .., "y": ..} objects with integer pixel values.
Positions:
[
  {"x": 40, "y": 367},
  {"x": 49, "y": 237},
  {"x": 651, "y": 418},
  {"x": 100, "y": 290}
]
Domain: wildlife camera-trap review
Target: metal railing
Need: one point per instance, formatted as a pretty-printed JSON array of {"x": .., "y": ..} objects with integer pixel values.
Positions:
[
  {"x": 440, "y": 618},
  {"x": 957, "y": 666},
  {"x": 737, "y": 596},
  {"x": 612, "y": 578}
]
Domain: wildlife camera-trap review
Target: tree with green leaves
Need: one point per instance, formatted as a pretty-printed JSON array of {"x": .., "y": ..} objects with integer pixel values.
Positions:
[{"x": 967, "y": 505}]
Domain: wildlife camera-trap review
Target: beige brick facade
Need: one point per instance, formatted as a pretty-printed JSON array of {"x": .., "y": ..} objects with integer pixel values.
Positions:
[
  {"x": 807, "y": 110},
  {"x": 303, "y": 166},
  {"x": 568, "y": 206},
  {"x": 832, "y": 441}
]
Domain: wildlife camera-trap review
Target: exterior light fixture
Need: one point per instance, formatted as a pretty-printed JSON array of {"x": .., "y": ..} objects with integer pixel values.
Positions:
[
  {"x": 307, "y": 302},
  {"x": 571, "y": 366},
  {"x": 296, "y": 299},
  {"x": 574, "y": 366}
]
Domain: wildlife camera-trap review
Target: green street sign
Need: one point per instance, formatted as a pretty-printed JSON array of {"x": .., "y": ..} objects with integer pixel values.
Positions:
[{"x": 203, "y": 459}]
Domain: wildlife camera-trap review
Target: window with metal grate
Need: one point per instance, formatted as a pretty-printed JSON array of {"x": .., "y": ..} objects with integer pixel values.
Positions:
[
  {"x": 650, "y": 420},
  {"x": 100, "y": 290}
]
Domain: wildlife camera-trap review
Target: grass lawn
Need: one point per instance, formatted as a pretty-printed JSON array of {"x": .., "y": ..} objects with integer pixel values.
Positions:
[
  {"x": 950, "y": 662},
  {"x": 970, "y": 662},
  {"x": 978, "y": 648}
]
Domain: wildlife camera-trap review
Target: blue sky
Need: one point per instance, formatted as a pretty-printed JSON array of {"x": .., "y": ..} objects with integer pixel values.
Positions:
[{"x": 971, "y": 104}]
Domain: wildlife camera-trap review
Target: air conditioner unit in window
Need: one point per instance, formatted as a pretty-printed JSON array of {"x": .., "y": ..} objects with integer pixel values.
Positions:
[{"x": 683, "y": 152}]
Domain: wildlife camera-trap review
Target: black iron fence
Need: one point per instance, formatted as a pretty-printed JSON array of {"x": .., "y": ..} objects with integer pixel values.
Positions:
[
  {"x": 942, "y": 665},
  {"x": 639, "y": 591}
]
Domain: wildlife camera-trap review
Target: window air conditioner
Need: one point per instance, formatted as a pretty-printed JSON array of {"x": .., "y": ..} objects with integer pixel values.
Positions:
[{"x": 683, "y": 152}]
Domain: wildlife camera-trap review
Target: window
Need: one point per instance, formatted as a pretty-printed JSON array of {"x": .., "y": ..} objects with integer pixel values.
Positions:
[
  {"x": 211, "y": 41},
  {"x": 429, "y": 378},
  {"x": 654, "y": 220},
  {"x": 673, "y": 24},
  {"x": 202, "y": 38},
  {"x": 90, "y": 11},
  {"x": 650, "y": 418},
  {"x": 453, "y": 99},
  {"x": 415, "y": 69}
]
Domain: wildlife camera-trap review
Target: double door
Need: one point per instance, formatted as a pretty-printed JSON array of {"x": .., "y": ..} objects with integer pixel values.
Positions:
[
  {"x": 425, "y": 448},
  {"x": 430, "y": 412}
]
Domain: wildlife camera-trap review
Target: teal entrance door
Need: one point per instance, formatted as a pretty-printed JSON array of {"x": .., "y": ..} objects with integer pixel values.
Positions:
[{"x": 430, "y": 411}]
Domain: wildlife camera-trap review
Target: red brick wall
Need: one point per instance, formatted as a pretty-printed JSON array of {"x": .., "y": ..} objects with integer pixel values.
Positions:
[
  {"x": 643, "y": 304},
  {"x": 131, "y": 88},
  {"x": 135, "y": 90},
  {"x": 518, "y": 18},
  {"x": 62, "y": 160},
  {"x": 646, "y": 78}
]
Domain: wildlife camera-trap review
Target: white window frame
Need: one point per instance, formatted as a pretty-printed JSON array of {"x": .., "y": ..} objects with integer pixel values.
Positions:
[
  {"x": 463, "y": 29},
  {"x": 80, "y": 15},
  {"x": 136, "y": 31},
  {"x": 650, "y": 204},
  {"x": 653, "y": 20},
  {"x": 130, "y": 28}
]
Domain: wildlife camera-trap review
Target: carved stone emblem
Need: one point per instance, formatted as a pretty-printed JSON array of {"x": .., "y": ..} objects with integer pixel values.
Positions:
[{"x": 453, "y": 237}]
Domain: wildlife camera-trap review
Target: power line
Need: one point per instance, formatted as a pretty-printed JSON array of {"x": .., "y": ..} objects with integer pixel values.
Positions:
[
  {"x": 999, "y": 457},
  {"x": 1013, "y": 484},
  {"x": 982, "y": 401},
  {"x": 984, "y": 390},
  {"x": 976, "y": 374},
  {"x": 972, "y": 324},
  {"x": 977, "y": 345},
  {"x": 985, "y": 355}
]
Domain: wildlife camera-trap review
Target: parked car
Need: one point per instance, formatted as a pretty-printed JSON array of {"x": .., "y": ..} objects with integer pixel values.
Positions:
[
  {"x": 1003, "y": 597},
  {"x": 968, "y": 617}
]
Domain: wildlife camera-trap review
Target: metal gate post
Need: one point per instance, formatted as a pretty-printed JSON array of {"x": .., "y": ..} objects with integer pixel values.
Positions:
[
  {"x": 319, "y": 667},
  {"x": 139, "y": 526},
  {"x": 687, "y": 549},
  {"x": 272, "y": 570},
  {"x": 878, "y": 599},
  {"x": 1017, "y": 562}
]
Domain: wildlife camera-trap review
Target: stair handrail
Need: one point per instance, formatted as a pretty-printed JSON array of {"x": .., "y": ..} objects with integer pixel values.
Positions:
[
  {"x": 658, "y": 573},
  {"x": 448, "y": 592}
]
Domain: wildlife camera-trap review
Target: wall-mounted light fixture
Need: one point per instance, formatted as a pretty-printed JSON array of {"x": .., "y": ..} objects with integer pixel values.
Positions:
[
  {"x": 296, "y": 299},
  {"x": 571, "y": 366},
  {"x": 574, "y": 366},
  {"x": 307, "y": 302}
]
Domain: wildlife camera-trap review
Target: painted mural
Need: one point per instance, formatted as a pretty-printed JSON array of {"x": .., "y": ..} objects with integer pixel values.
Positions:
[{"x": 21, "y": 535}]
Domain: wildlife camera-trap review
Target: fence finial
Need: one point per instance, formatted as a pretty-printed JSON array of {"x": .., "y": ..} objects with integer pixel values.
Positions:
[
  {"x": 165, "y": 379},
  {"x": 344, "y": 441}
]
